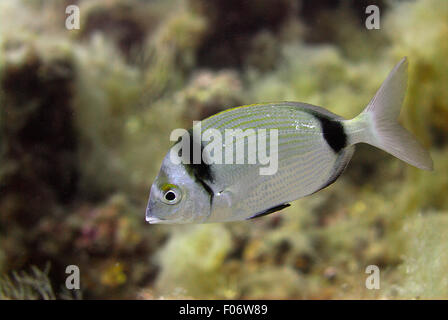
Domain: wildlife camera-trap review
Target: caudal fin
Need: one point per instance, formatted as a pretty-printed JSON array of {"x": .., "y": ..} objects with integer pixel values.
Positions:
[{"x": 377, "y": 124}]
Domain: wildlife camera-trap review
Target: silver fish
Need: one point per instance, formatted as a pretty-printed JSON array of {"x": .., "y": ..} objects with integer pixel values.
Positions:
[{"x": 314, "y": 148}]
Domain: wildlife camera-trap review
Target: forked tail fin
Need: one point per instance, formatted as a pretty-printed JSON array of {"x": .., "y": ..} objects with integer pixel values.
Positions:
[{"x": 378, "y": 123}]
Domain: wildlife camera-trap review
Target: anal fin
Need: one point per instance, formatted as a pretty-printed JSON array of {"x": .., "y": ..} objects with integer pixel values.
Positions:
[{"x": 269, "y": 211}]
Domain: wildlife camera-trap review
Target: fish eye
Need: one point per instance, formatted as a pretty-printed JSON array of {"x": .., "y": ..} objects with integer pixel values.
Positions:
[{"x": 171, "y": 194}]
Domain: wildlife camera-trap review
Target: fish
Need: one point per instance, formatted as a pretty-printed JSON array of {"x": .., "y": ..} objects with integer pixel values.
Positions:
[{"x": 314, "y": 146}]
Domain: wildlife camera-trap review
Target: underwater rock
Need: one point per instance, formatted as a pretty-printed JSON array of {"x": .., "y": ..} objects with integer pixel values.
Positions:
[
  {"x": 121, "y": 20},
  {"x": 320, "y": 18},
  {"x": 233, "y": 24},
  {"x": 39, "y": 144},
  {"x": 39, "y": 168}
]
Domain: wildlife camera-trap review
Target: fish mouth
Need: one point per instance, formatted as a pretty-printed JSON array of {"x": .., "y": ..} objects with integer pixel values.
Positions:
[
  {"x": 154, "y": 220},
  {"x": 151, "y": 219}
]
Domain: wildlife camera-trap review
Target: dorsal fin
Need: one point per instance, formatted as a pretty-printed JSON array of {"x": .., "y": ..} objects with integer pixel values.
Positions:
[{"x": 269, "y": 211}]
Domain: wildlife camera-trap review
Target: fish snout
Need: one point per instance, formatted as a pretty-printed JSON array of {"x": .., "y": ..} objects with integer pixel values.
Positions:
[{"x": 150, "y": 218}]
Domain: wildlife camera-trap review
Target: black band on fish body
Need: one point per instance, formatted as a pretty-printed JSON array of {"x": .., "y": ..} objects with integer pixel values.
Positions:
[
  {"x": 333, "y": 131},
  {"x": 200, "y": 171},
  {"x": 208, "y": 189},
  {"x": 202, "y": 174}
]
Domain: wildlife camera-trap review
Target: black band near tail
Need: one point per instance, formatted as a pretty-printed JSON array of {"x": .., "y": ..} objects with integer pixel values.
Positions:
[{"x": 334, "y": 133}]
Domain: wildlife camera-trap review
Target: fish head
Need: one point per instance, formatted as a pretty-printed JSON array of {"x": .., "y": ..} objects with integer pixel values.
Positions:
[{"x": 176, "y": 197}]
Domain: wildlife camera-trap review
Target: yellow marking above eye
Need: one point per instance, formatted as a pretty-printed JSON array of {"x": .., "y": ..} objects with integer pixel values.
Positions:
[{"x": 168, "y": 186}]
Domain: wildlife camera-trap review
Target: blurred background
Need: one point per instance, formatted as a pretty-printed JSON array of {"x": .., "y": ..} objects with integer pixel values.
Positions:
[{"x": 85, "y": 118}]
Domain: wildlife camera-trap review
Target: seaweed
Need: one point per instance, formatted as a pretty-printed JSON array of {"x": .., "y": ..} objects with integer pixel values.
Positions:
[{"x": 32, "y": 285}]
